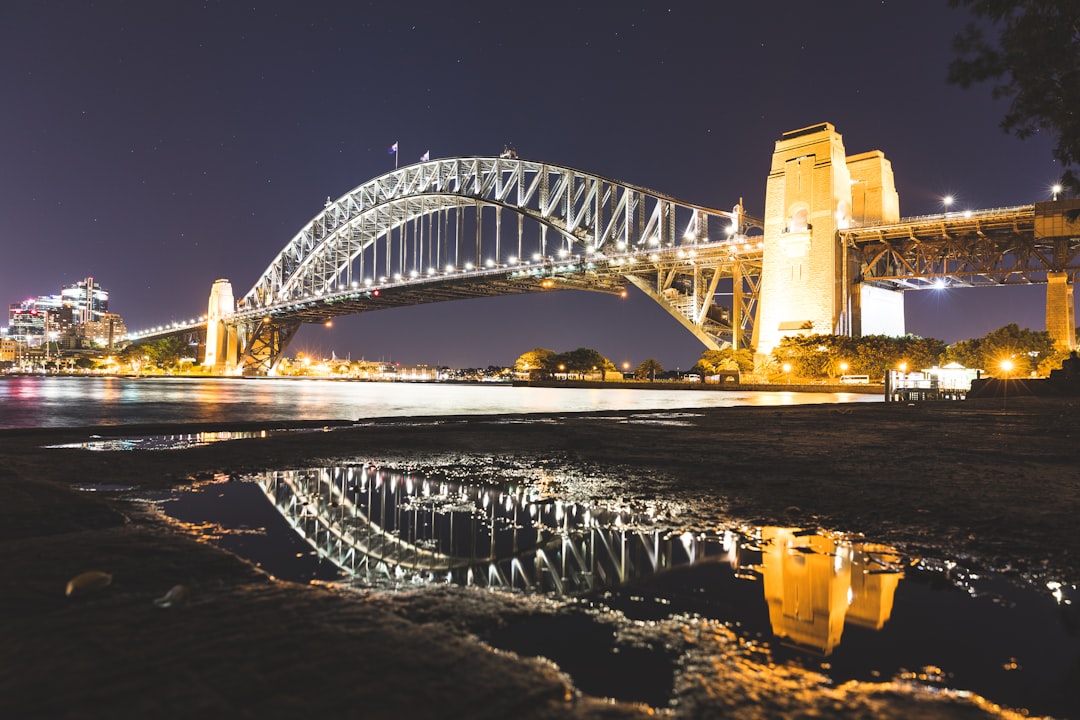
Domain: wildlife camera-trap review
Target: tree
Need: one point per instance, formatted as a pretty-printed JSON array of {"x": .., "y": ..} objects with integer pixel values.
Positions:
[
  {"x": 712, "y": 362},
  {"x": 826, "y": 356},
  {"x": 581, "y": 361},
  {"x": 1034, "y": 63},
  {"x": 648, "y": 370},
  {"x": 166, "y": 351},
  {"x": 534, "y": 363},
  {"x": 1027, "y": 349}
]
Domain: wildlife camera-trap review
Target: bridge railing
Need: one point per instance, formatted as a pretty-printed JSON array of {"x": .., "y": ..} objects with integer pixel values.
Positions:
[{"x": 987, "y": 214}]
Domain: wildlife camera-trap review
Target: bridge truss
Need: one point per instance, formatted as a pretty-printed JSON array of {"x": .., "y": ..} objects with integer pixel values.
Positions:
[
  {"x": 1017, "y": 245},
  {"x": 473, "y": 227}
]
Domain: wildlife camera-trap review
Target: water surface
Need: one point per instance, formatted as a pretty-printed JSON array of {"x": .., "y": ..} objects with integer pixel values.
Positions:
[
  {"x": 67, "y": 401},
  {"x": 846, "y": 607}
]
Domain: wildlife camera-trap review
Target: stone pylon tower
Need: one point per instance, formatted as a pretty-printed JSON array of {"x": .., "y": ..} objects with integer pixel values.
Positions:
[
  {"x": 808, "y": 283},
  {"x": 221, "y": 338}
]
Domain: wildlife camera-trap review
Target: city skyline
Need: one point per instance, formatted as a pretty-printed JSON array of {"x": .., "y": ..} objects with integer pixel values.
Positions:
[{"x": 169, "y": 147}]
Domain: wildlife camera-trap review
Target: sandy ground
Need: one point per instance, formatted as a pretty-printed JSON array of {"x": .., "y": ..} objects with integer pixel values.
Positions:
[{"x": 997, "y": 486}]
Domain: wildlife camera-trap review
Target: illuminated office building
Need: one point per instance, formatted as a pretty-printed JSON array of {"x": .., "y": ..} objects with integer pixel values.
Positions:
[{"x": 87, "y": 301}]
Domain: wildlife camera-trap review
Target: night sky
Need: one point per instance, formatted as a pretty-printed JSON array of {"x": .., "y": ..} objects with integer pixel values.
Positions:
[{"x": 157, "y": 146}]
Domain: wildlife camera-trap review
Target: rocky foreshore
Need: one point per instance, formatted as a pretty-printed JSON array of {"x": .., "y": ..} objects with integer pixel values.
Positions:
[{"x": 997, "y": 485}]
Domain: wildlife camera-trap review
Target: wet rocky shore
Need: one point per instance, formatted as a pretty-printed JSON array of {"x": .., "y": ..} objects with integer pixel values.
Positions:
[{"x": 996, "y": 486}]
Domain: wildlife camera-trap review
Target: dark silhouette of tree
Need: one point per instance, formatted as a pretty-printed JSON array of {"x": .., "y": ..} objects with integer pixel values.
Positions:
[
  {"x": 581, "y": 362},
  {"x": 1034, "y": 63},
  {"x": 1027, "y": 349}
]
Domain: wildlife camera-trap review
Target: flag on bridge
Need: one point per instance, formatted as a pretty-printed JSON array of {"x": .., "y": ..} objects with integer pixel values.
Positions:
[
  {"x": 393, "y": 148},
  {"x": 426, "y": 156}
]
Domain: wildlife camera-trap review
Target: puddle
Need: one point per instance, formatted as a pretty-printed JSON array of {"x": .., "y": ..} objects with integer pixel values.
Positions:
[
  {"x": 588, "y": 652},
  {"x": 174, "y": 442},
  {"x": 850, "y": 609}
]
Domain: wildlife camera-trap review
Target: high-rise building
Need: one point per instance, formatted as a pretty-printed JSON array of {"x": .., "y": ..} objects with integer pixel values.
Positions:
[
  {"x": 86, "y": 299},
  {"x": 76, "y": 319},
  {"x": 30, "y": 321}
]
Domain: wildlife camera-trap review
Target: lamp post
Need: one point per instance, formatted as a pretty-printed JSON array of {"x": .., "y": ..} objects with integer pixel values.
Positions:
[
  {"x": 787, "y": 372},
  {"x": 1056, "y": 190}
]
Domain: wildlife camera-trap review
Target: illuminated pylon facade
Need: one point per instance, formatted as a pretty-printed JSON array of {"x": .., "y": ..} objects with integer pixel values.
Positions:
[
  {"x": 221, "y": 340},
  {"x": 809, "y": 283}
]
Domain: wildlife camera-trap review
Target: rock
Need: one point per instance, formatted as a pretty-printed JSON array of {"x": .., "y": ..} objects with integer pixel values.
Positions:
[
  {"x": 177, "y": 595},
  {"x": 88, "y": 582}
]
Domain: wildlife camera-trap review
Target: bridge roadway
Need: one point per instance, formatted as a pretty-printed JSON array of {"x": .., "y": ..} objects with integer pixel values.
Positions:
[
  {"x": 656, "y": 273},
  {"x": 1003, "y": 246}
]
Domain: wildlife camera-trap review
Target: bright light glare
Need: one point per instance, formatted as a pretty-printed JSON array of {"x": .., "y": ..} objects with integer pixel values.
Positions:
[{"x": 939, "y": 284}]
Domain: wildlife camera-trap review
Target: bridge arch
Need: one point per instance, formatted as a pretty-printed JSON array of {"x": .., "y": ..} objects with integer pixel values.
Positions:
[{"x": 438, "y": 231}]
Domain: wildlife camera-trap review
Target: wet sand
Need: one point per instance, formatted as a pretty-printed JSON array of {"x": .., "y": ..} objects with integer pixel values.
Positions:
[{"x": 998, "y": 487}]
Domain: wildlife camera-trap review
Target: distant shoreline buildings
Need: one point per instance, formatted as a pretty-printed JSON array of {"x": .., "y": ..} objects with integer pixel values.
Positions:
[{"x": 74, "y": 322}]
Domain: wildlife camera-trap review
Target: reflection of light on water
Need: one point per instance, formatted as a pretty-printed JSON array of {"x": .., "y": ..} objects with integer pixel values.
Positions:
[
  {"x": 897, "y": 618},
  {"x": 815, "y": 583},
  {"x": 172, "y": 442},
  {"x": 384, "y": 526}
]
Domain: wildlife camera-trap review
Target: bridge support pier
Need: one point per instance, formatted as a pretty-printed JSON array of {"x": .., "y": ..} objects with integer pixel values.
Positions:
[
  {"x": 1060, "y": 310},
  {"x": 222, "y": 347}
]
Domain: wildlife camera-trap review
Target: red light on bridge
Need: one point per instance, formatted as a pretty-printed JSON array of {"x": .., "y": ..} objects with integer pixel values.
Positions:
[{"x": 375, "y": 293}]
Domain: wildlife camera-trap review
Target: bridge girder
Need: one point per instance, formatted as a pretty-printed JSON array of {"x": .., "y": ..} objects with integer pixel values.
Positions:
[
  {"x": 995, "y": 247},
  {"x": 434, "y": 231}
]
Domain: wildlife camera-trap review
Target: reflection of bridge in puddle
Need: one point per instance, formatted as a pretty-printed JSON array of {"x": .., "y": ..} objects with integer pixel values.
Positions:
[{"x": 383, "y": 526}]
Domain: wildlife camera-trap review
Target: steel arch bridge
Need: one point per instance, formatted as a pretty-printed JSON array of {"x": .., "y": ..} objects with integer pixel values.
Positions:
[{"x": 460, "y": 228}]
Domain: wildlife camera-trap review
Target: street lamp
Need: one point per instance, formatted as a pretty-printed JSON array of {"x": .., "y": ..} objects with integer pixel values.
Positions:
[
  {"x": 1056, "y": 190},
  {"x": 787, "y": 372},
  {"x": 947, "y": 201}
]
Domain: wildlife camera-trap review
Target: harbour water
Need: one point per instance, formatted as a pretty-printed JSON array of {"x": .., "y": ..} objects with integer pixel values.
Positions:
[{"x": 71, "y": 401}]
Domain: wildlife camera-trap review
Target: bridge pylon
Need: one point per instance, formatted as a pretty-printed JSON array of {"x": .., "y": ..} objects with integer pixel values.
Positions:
[
  {"x": 809, "y": 283},
  {"x": 222, "y": 344}
]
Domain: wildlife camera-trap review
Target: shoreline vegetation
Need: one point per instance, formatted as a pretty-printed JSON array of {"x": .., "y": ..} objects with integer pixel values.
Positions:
[{"x": 996, "y": 486}]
